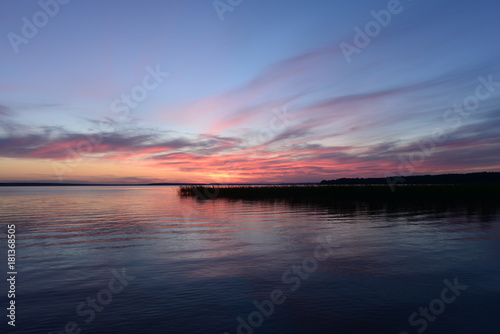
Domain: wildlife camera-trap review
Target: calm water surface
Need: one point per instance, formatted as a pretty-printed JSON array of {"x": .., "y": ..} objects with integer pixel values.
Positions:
[{"x": 144, "y": 260}]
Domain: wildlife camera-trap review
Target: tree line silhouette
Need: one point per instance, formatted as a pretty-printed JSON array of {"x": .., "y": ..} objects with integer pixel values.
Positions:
[{"x": 470, "y": 178}]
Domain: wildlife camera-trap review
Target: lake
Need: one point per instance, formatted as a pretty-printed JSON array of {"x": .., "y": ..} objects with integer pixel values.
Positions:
[{"x": 141, "y": 259}]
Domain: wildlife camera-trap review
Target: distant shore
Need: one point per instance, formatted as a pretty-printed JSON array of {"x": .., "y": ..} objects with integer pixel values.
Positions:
[
  {"x": 480, "y": 178},
  {"x": 62, "y": 184}
]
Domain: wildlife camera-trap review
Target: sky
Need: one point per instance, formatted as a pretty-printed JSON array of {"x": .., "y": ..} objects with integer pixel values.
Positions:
[{"x": 247, "y": 90}]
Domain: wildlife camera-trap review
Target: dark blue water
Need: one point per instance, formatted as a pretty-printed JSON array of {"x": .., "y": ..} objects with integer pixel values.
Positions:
[{"x": 143, "y": 260}]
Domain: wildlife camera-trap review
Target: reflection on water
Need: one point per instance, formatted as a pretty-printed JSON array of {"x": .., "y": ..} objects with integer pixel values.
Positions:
[{"x": 200, "y": 265}]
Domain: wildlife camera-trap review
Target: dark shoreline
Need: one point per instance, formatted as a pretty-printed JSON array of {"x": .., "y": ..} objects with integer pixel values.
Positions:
[{"x": 366, "y": 193}]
